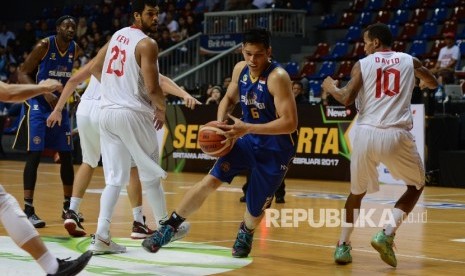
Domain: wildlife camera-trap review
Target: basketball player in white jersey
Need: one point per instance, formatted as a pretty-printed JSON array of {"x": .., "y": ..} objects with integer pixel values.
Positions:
[
  {"x": 381, "y": 86},
  {"x": 131, "y": 94},
  {"x": 12, "y": 217},
  {"x": 87, "y": 118}
]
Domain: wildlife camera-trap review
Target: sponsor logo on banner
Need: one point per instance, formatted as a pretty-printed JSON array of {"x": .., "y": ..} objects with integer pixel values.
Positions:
[{"x": 218, "y": 43}]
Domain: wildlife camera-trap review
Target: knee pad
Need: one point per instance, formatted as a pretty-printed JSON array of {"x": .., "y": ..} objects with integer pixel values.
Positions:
[
  {"x": 154, "y": 184},
  {"x": 15, "y": 221}
]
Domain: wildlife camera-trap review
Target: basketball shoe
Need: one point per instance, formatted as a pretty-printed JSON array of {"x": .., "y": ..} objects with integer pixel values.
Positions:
[
  {"x": 73, "y": 225},
  {"x": 243, "y": 244},
  {"x": 140, "y": 230},
  {"x": 66, "y": 204},
  {"x": 342, "y": 253},
  {"x": 162, "y": 236},
  {"x": 33, "y": 217},
  {"x": 98, "y": 245},
  {"x": 383, "y": 244},
  {"x": 73, "y": 267}
]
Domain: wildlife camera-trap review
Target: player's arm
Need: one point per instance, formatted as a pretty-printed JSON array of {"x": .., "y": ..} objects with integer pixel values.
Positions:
[
  {"x": 81, "y": 75},
  {"x": 21, "y": 92},
  {"x": 97, "y": 66},
  {"x": 147, "y": 56},
  {"x": 347, "y": 94},
  {"x": 231, "y": 97},
  {"x": 170, "y": 87},
  {"x": 29, "y": 66},
  {"x": 426, "y": 77}
]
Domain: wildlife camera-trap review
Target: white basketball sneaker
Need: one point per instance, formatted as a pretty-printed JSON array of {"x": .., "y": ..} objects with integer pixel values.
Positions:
[
  {"x": 98, "y": 245},
  {"x": 182, "y": 231}
]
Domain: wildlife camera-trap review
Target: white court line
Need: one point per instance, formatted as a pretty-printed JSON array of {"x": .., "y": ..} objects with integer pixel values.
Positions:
[{"x": 364, "y": 250}]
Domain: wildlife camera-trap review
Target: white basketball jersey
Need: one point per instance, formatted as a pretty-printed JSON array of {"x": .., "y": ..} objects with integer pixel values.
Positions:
[
  {"x": 388, "y": 82},
  {"x": 92, "y": 90},
  {"x": 123, "y": 83}
]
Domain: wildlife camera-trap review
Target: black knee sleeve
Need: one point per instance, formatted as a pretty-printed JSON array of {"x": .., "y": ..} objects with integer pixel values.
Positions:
[
  {"x": 66, "y": 168},
  {"x": 30, "y": 170}
]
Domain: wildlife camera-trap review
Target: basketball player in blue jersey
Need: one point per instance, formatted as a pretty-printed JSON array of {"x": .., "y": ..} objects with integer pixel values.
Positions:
[
  {"x": 265, "y": 144},
  {"x": 52, "y": 57}
]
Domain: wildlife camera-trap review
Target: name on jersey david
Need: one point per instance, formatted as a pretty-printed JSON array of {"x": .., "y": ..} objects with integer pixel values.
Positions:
[{"x": 387, "y": 61}]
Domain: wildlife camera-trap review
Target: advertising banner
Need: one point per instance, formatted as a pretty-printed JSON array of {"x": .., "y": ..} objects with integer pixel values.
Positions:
[
  {"x": 322, "y": 146},
  {"x": 218, "y": 43}
]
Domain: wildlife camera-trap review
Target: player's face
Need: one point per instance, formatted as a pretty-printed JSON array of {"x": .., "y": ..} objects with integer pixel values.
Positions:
[
  {"x": 149, "y": 19},
  {"x": 370, "y": 45},
  {"x": 256, "y": 56},
  {"x": 67, "y": 29}
]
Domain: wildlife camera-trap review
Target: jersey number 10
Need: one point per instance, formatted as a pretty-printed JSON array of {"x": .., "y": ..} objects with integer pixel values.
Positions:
[{"x": 384, "y": 81}]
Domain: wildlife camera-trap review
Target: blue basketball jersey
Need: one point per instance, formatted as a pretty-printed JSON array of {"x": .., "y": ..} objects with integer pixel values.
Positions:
[
  {"x": 56, "y": 64},
  {"x": 33, "y": 133},
  {"x": 258, "y": 108}
]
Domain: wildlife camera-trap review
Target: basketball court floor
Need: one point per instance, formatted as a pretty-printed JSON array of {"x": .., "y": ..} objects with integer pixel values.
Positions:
[{"x": 299, "y": 239}]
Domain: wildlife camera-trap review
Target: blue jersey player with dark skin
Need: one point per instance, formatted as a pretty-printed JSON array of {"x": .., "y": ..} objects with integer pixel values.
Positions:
[
  {"x": 52, "y": 57},
  {"x": 265, "y": 142}
]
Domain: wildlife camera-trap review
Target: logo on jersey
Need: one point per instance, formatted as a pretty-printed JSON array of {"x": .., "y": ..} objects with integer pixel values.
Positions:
[
  {"x": 244, "y": 79},
  {"x": 262, "y": 80},
  {"x": 35, "y": 107},
  {"x": 53, "y": 56},
  {"x": 259, "y": 87},
  {"x": 36, "y": 140},
  {"x": 225, "y": 166}
]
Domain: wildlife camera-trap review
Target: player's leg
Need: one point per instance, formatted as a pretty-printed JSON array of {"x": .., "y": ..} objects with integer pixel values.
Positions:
[
  {"x": 87, "y": 120},
  {"x": 400, "y": 149},
  {"x": 364, "y": 177},
  {"x": 140, "y": 230},
  {"x": 25, "y": 236},
  {"x": 116, "y": 167},
  {"x": 31, "y": 136},
  {"x": 59, "y": 139},
  {"x": 265, "y": 178}
]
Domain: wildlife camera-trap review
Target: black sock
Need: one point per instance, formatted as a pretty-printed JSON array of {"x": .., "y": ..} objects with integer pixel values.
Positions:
[
  {"x": 28, "y": 207},
  {"x": 175, "y": 220},
  {"x": 243, "y": 227},
  {"x": 66, "y": 203}
]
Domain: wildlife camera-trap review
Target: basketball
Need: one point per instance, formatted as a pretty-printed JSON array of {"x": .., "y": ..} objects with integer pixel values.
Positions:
[{"x": 210, "y": 139}]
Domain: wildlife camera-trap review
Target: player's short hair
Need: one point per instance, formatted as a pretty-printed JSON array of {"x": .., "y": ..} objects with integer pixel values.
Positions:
[
  {"x": 380, "y": 31},
  {"x": 257, "y": 35},
  {"x": 139, "y": 5},
  {"x": 63, "y": 18}
]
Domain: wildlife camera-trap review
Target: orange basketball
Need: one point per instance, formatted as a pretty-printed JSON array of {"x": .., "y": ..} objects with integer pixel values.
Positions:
[{"x": 210, "y": 140}]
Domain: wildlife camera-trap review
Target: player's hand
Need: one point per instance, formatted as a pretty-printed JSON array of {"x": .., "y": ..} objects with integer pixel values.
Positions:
[
  {"x": 54, "y": 118},
  {"x": 329, "y": 84},
  {"x": 190, "y": 101},
  {"x": 159, "y": 119},
  {"x": 51, "y": 85},
  {"x": 236, "y": 130}
]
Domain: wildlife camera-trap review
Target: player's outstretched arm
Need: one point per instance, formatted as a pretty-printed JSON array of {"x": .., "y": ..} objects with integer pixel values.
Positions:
[
  {"x": 21, "y": 92},
  {"x": 78, "y": 77},
  {"x": 170, "y": 87}
]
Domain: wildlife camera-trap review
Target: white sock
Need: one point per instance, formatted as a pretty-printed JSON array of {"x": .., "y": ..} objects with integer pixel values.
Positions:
[
  {"x": 399, "y": 217},
  {"x": 156, "y": 199},
  {"x": 346, "y": 231},
  {"x": 137, "y": 214},
  {"x": 108, "y": 201},
  {"x": 48, "y": 262},
  {"x": 75, "y": 203}
]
